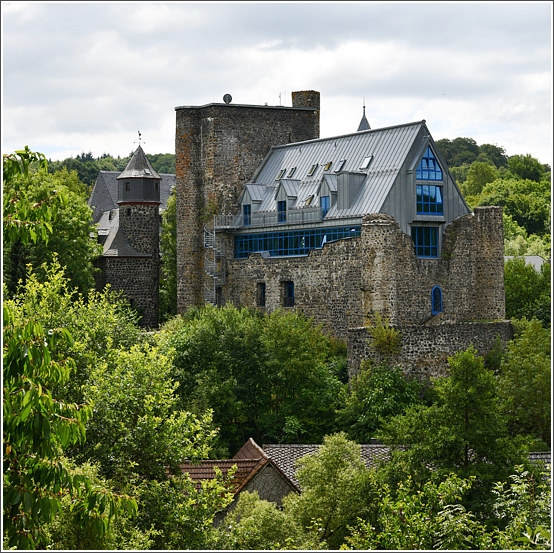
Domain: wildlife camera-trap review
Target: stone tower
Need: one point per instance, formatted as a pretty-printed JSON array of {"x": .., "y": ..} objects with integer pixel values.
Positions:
[
  {"x": 136, "y": 268},
  {"x": 218, "y": 147}
]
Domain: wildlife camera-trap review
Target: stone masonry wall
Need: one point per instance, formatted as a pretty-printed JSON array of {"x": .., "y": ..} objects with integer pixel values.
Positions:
[
  {"x": 425, "y": 349},
  {"x": 138, "y": 279},
  {"x": 218, "y": 148},
  {"x": 342, "y": 285}
]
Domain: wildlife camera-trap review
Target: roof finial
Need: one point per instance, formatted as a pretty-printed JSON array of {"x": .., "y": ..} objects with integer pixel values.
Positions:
[{"x": 364, "y": 124}]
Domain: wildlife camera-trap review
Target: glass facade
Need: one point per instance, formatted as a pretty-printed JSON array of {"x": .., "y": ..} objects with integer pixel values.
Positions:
[
  {"x": 428, "y": 168},
  {"x": 429, "y": 199},
  {"x": 426, "y": 241},
  {"x": 294, "y": 242}
]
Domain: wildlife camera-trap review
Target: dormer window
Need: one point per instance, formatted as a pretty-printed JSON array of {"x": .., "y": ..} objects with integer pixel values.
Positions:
[
  {"x": 281, "y": 174},
  {"x": 312, "y": 169},
  {"x": 324, "y": 204},
  {"x": 366, "y": 162},
  {"x": 291, "y": 172},
  {"x": 282, "y": 211},
  {"x": 340, "y": 165}
]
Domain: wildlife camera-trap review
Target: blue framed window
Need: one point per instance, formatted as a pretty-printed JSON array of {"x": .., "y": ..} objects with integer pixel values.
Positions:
[
  {"x": 295, "y": 242},
  {"x": 246, "y": 211},
  {"x": 428, "y": 168},
  {"x": 436, "y": 300},
  {"x": 429, "y": 199},
  {"x": 288, "y": 293},
  {"x": 426, "y": 241},
  {"x": 324, "y": 203},
  {"x": 282, "y": 211}
]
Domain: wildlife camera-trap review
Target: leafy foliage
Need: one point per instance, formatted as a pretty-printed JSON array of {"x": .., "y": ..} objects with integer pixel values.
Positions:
[
  {"x": 524, "y": 381},
  {"x": 168, "y": 246},
  {"x": 386, "y": 340},
  {"x": 376, "y": 394},
  {"x": 463, "y": 432},
  {"x": 70, "y": 225},
  {"x": 527, "y": 291},
  {"x": 270, "y": 377}
]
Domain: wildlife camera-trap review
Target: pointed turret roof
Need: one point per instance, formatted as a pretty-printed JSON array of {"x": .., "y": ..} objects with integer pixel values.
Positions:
[
  {"x": 364, "y": 124},
  {"x": 139, "y": 167}
]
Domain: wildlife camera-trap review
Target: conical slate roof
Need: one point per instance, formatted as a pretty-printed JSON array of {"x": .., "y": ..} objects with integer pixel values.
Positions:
[
  {"x": 364, "y": 123},
  {"x": 139, "y": 167}
]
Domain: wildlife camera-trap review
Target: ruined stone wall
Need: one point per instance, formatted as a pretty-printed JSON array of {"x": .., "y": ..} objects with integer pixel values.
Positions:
[
  {"x": 218, "y": 148},
  {"x": 347, "y": 282},
  {"x": 425, "y": 349},
  {"x": 138, "y": 279}
]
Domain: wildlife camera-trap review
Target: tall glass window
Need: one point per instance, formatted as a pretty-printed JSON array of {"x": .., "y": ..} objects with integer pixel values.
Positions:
[
  {"x": 426, "y": 241},
  {"x": 282, "y": 211},
  {"x": 429, "y": 199},
  {"x": 246, "y": 211},
  {"x": 428, "y": 168},
  {"x": 324, "y": 203}
]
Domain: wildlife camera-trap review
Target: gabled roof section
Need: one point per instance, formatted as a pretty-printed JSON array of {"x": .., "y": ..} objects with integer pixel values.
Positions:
[
  {"x": 255, "y": 191},
  {"x": 285, "y": 456},
  {"x": 389, "y": 147},
  {"x": 116, "y": 244},
  {"x": 139, "y": 167}
]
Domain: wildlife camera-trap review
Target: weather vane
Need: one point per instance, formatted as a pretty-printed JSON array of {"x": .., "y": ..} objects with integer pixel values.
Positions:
[{"x": 139, "y": 140}]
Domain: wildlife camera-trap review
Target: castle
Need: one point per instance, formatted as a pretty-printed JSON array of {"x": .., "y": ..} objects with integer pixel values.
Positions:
[{"x": 271, "y": 216}]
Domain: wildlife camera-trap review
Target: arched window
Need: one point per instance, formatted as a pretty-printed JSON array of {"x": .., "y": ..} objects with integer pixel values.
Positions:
[{"x": 436, "y": 300}]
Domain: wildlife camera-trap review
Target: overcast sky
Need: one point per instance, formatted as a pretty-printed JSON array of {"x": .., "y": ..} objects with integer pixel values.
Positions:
[{"x": 80, "y": 77}]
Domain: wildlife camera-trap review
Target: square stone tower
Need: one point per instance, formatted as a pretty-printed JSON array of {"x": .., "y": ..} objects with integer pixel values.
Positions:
[{"x": 218, "y": 147}]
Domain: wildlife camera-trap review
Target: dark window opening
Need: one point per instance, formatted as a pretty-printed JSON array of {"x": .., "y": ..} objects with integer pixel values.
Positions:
[
  {"x": 436, "y": 300},
  {"x": 324, "y": 203},
  {"x": 260, "y": 294},
  {"x": 219, "y": 296},
  {"x": 288, "y": 293},
  {"x": 127, "y": 186},
  {"x": 246, "y": 213},
  {"x": 282, "y": 211},
  {"x": 128, "y": 210}
]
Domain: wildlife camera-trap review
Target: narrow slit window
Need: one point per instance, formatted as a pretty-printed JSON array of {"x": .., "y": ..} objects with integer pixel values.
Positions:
[
  {"x": 260, "y": 294},
  {"x": 288, "y": 293}
]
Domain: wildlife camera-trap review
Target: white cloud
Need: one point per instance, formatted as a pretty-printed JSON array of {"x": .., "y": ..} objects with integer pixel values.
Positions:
[{"x": 80, "y": 76}]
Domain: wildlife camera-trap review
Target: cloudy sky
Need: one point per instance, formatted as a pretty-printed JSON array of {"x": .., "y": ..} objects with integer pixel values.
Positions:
[{"x": 80, "y": 77}]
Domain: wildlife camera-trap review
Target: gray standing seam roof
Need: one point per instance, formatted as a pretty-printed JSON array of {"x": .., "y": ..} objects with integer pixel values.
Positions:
[
  {"x": 139, "y": 167},
  {"x": 388, "y": 146}
]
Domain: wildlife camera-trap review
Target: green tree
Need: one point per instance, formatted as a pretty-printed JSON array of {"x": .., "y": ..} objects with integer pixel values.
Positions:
[
  {"x": 525, "y": 167},
  {"x": 137, "y": 426},
  {"x": 524, "y": 381},
  {"x": 71, "y": 227},
  {"x": 36, "y": 426},
  {"x": 496, "y": 154},
  {"x": 478, "y": 175},
  {"x": 168, "y": 246},
  {"x": 269, "y": 377},
  {"x": 463, "y": 432},
  {"x": 527, "y": 291},
  {"x": 376, "y": 394}
]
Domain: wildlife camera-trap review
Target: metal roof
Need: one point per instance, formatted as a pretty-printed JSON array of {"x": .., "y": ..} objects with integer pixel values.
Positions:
[
  {"x": 389, "y": 147},
  {"x": 139, "y": 167}
]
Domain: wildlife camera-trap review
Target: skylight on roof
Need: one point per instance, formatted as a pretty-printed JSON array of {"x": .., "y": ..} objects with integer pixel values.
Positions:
[
  {"x": 281, "y": 173},
  {"x": 340, "y": 165},
  {"x": 366, "y": 162},
  {"x": 312, "y": 169},
  {"x": 291, "y": 172},
  {"x": 328, "y": 166}
]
